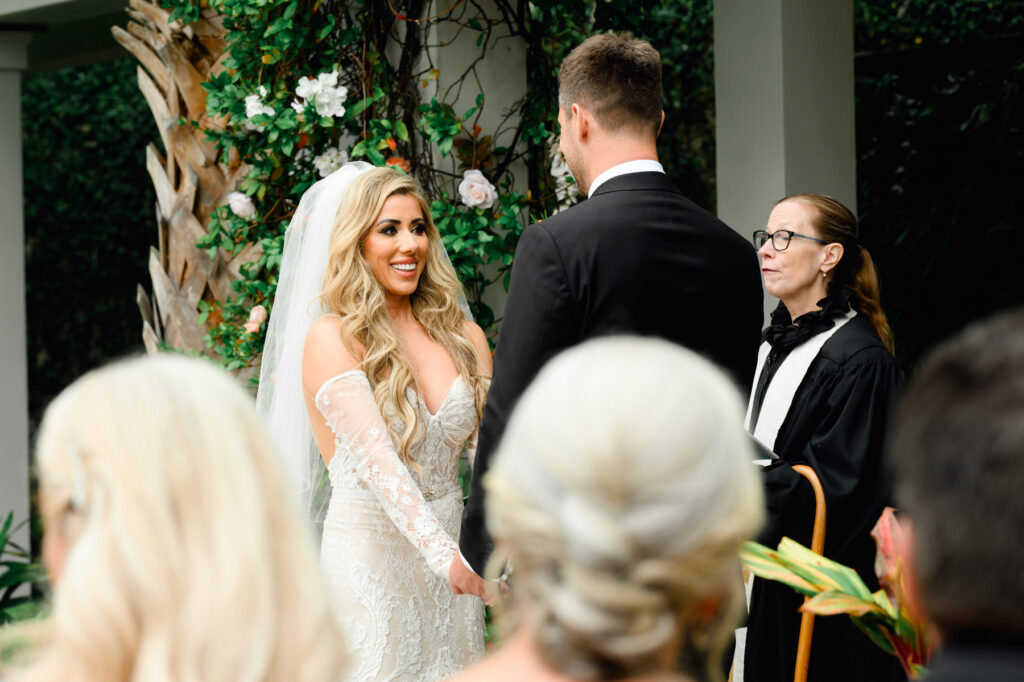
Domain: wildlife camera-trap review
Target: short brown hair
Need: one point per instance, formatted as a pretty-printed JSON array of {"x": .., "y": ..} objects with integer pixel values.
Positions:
[
  {"x": 617, "y": 77},
  {"x": 956, "y": 456}
]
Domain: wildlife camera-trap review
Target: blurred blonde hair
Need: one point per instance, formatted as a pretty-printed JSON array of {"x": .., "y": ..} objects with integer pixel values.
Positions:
[
  {"x": 188, "y": 561},
  {"x": 352, "y": 291},
  {"x": 622, "y": 491}
]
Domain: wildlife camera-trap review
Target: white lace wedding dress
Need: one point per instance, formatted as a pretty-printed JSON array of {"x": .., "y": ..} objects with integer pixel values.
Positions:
[{"x": 391, "y": 533}]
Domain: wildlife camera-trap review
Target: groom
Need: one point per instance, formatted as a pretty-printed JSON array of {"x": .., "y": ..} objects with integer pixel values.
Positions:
[{"x": 637, "y": 257}]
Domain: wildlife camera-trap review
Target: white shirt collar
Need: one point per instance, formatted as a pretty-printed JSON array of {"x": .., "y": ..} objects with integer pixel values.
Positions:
[{"x": 638, "y": 166}]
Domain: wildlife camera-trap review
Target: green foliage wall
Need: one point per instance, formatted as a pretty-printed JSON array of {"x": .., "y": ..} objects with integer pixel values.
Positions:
[
  {"x": 940, "y": 146},
  {"x": 88, "y": 219}
]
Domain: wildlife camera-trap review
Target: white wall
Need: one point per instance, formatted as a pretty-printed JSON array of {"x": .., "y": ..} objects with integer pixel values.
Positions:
[
  {"x": 13, "y": 364},
  {"x": 784, "y": 103}
]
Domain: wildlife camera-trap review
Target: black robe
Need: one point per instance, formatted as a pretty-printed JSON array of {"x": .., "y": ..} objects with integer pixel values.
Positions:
[{"x": 836, "y": 424}]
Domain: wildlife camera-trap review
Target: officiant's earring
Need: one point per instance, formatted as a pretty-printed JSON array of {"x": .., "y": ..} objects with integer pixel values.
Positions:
[{"x": 824, "y": 273}]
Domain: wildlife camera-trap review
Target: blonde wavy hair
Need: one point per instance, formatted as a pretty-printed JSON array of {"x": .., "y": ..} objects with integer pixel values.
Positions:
[
  {"x": 622, "y": 490},
  {"x": 352, "y": 291},
  {"x": 188, "y": 559}
]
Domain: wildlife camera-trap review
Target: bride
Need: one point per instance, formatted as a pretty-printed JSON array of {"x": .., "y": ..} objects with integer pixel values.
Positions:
[{"x": 368, "y": 338}]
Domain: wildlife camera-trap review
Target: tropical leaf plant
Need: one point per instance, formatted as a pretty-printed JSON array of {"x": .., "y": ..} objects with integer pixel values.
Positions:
[
  {"x": 18, "y": 574},
  {"x": 834, "y": 589}
]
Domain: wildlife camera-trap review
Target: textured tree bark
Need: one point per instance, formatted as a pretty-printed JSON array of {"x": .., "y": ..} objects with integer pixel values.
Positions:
[{"x": 190, "y": 181}]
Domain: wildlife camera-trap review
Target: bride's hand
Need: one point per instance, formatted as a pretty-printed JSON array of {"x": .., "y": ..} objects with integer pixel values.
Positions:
[
  {"x": 495, "y": 591},
  {"x": 462, "y": 580}
]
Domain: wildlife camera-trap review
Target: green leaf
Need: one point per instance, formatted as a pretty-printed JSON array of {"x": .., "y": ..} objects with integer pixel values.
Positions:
[
  {"x": 825, "y": 573},
  {"x": 876, "y": 633},
  {"x": 288, "y": 120},
  {"x": 764, "y": 563},
  {"x": 830, "y": 603},
  {"x": 402, "y": 131}
]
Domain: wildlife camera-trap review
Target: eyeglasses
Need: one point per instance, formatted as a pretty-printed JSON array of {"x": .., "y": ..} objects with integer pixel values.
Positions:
[{"x": 780, "y": 239}]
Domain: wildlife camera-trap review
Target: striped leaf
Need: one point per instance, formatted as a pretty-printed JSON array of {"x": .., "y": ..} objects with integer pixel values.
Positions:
[
  {"x": 831, "y": 603},
  {"x": 764, "y": 563},
  {"x": 816, "y": 569},
  {"x": 882, "y": 599}
]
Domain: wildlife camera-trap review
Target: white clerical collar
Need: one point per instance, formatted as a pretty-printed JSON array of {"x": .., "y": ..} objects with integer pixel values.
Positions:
[{"x": 638, "y": 166}]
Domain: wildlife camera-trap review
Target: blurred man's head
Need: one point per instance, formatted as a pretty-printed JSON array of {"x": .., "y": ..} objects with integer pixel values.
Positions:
[{"x": 957, "y": 453}]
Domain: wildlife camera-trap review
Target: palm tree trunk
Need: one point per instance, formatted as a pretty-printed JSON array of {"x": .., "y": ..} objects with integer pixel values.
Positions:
[{"x": 189, "y": 180}]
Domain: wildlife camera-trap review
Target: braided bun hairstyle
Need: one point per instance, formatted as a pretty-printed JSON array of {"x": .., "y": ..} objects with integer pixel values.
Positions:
[{"x": 621, "y": 492}]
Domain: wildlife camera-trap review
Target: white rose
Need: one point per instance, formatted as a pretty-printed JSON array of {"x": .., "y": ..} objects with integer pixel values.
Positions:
[
  {"x": 298, "y": 105},
  {"x": 476, "y": 190},
  {"x": 242, "y": 206}
]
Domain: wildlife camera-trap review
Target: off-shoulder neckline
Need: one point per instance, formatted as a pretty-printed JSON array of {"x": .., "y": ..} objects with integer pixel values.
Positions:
[{"x": 419, "y": 398}]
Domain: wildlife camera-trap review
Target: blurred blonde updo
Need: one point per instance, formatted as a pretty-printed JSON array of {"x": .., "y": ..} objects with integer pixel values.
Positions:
[
  {"x": 188, "y": 560},
  {"x": 621, "y": 492}
]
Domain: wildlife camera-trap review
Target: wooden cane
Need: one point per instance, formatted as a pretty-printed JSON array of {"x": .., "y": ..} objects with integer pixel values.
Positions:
[{"x": 803, "y": 647}]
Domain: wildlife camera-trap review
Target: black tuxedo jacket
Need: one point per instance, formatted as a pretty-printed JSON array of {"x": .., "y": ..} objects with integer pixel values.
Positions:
[{"x": 637, "y": 257}]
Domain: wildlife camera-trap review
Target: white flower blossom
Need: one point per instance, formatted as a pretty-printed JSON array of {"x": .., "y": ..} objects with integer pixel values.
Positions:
[
  {"x": 331, "y": 101},
  {"x": 566, "y": 191},
  {"x": 298, "y": 105},
  {"x": 328, "y": 80},
  {"x": 254, "y": 106},
  {"x": 323, "y": 92},
  {"x": 301, "y": 160},
  {"x": 331, "y": 160},
  {"x": 307, "y": 87},
  {"x": 476, "y": 190},
  {"x": 242, "y": 206}
]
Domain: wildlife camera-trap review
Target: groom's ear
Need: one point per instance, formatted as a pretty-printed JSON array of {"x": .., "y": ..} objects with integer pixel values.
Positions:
[{"x": 583, "y": 120}]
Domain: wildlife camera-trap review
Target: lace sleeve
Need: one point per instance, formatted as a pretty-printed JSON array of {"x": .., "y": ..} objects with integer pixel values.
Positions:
[{"x": 347, "y": 403}]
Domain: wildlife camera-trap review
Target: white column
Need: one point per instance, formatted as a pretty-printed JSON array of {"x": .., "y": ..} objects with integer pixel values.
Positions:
[
  {"x": 784, "y": 105},
  {"x": 13, "y": 361}
]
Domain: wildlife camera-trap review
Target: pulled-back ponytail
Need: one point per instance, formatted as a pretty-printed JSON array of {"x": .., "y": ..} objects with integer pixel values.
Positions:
[
  {"x": 866, "y": 297},
  {"x": 856, "y": 270}
]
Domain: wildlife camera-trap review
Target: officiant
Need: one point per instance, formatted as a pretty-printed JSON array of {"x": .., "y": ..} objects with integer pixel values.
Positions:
[{"x": 822, "y": 394}]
